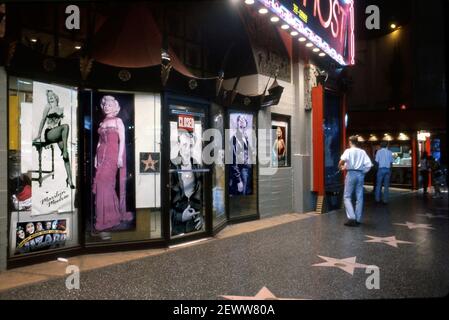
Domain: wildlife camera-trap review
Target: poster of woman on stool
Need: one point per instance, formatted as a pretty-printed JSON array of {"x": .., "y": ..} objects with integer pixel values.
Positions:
[{"x": 53, "y": 148}]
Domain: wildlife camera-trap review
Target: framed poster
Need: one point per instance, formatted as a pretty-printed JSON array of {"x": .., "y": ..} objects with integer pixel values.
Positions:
[
  {"x": 49, "y": 147},
  {"x": 241, "y": 144},
  {"x": 113, "y": 185},
  {"x": 149, "y": 162},
  {"x": 280, "y": 142}
]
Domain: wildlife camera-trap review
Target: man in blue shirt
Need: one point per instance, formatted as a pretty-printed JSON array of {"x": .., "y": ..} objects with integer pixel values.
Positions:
[{"x": 384, "y": 160}]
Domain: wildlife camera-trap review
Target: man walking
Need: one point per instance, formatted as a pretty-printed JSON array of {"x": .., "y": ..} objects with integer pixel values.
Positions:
[
  {"x": 356, "y": 163},
  {"x": 384, "y": 160}
]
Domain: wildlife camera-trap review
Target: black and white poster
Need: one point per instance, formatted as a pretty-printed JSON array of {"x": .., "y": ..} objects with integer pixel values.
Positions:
[
  {"x": 49, "y": 149},
  {"x": 241, "y": 144},
  {"x": 186, "y": 176}
]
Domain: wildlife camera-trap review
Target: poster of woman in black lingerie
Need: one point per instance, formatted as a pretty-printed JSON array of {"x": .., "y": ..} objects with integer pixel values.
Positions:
[{"x": 113, "y": 172}]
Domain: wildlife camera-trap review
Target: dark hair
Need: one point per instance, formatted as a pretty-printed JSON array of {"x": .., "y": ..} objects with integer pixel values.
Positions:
[
  {"x": 354, "y": 140},
  {"x": 384, "y": 144}
]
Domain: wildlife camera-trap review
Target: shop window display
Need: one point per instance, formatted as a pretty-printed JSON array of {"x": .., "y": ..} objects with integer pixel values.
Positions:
[
  {"x": 43, "y": 153},
  {"x": 122, "y": 136},
  {"x": 187, "y": 173},
  {"x": 242, "y": 181}
]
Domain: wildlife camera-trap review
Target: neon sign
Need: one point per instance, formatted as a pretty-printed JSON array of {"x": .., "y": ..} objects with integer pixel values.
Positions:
[{"x": 328, "y": 24}]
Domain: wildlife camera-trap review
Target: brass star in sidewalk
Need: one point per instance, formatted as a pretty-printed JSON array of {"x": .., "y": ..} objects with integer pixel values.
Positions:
[
  {"x": 412, "y": 225},
  {"x": 434, "y": 216},
  {"x": 149, "y": 163},
  {"x": 391, "y": 241},
  {"x": 347, "y": 265},
  {"x": 263, "y": 294}
]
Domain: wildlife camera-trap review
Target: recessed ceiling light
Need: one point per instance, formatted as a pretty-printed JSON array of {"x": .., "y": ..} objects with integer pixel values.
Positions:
[
  {"x": 263, "y": 10},
  {"x": 322, "y": 54},
  {"x": 294, "y": 33},
  {"x": 302, "y": 39},
  {"x": 274, "y": 19},
  {"x": 393, "y": 26},
  {"x": 316, "y": 50},
  {"x": 77, "y": 47},
  {"x": 249, "y": 1},
  {"x": 309, "y": 45},
  {"x": 33, "y": 40},
  {"x": 285, "y": 26}
]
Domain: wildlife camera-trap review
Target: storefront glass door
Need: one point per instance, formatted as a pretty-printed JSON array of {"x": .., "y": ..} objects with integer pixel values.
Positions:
[{"x": 187, "y": 173}]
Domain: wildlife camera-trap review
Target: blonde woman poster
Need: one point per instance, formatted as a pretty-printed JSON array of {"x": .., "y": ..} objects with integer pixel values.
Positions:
[{"x": 54, "y": 127}]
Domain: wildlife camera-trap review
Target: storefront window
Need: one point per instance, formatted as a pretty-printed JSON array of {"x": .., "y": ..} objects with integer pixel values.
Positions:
[
  {"x": 187, "y": 172},
  {"x": 43, "y": 166},
  {"x": 242, "y": 149},
  {"x": 122, "y": 156}
]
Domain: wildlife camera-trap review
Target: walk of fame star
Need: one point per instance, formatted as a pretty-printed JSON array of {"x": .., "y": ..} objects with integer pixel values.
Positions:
[
  {"x": 412, "y": 225},
  {"x": 434, "y": 216},
  {"x": 347, "y": 265},
  {"x": 149, "y": 163},
  {"x": 391, "y": 241},
  {"x": 263, "y": 294}
]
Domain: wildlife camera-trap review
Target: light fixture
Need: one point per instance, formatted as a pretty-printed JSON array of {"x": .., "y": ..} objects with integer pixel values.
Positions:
[
  {"x": 77, "y": 47},
  {"x": 33, "y": 40},
  {"x": 372, "y": 137},
  {"x": 403, "y": 137},
  {"x": 393, "y": 26},
  {"x": 316, "y": 50},
  {"x": 263, "y": 10},
  {"x": 249, "y": 1},
  {"x": 302, "y": 39},
  {"x": 274, "y": 19},
  {"x": 403, "y": 107},
  {"x": 309, "y": 45},
  {"x": 322, "y": 54},
  {"x": 294, "y": 33},
  {"x": 285, "y": 26}
]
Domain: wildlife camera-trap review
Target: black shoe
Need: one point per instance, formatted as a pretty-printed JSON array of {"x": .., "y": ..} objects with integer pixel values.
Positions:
[
  {"x": 351, "y": 223},
  {"x": 358, "y": 223}
]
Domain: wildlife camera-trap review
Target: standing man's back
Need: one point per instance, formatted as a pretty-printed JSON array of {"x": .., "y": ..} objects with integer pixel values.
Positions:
[
  {"x": 356, "y": 163},
  {"x": 384, "y": 160}
]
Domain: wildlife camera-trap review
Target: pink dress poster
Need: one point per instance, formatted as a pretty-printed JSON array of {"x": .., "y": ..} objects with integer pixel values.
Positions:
[{"x": 113, "y": 172}]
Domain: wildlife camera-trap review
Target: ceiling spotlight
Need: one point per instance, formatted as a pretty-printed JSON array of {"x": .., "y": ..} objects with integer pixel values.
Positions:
[
  {"x": 77, "y": 47},
  {"x": 322, "y": 54},
  {"x": 302, "y": 39},
  {"x": 33, "y": 40},
  {"x": 309, "y": 45},
  {"x": 249, "y": 1},
  {"x": 274, "y": 19},
  {"x": 285, "y": 26},
  {"x": 316, "y": 50},
  {"x": 263, "y": 10},
  {"x": 294, "y": 33},
  {"x": 393, "y": 26}
]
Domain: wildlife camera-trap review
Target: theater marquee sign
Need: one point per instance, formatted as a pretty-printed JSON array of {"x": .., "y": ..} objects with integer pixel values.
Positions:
[{"x": 328, "y": 24}]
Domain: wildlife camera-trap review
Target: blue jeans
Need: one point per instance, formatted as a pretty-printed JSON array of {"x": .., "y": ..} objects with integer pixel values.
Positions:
[
  {"x": 383, "y": 176},
  {"x": 354, "y": 182}
]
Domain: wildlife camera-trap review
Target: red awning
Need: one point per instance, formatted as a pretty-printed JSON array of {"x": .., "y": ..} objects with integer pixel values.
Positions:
[{"x": 132, "y": 39}]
